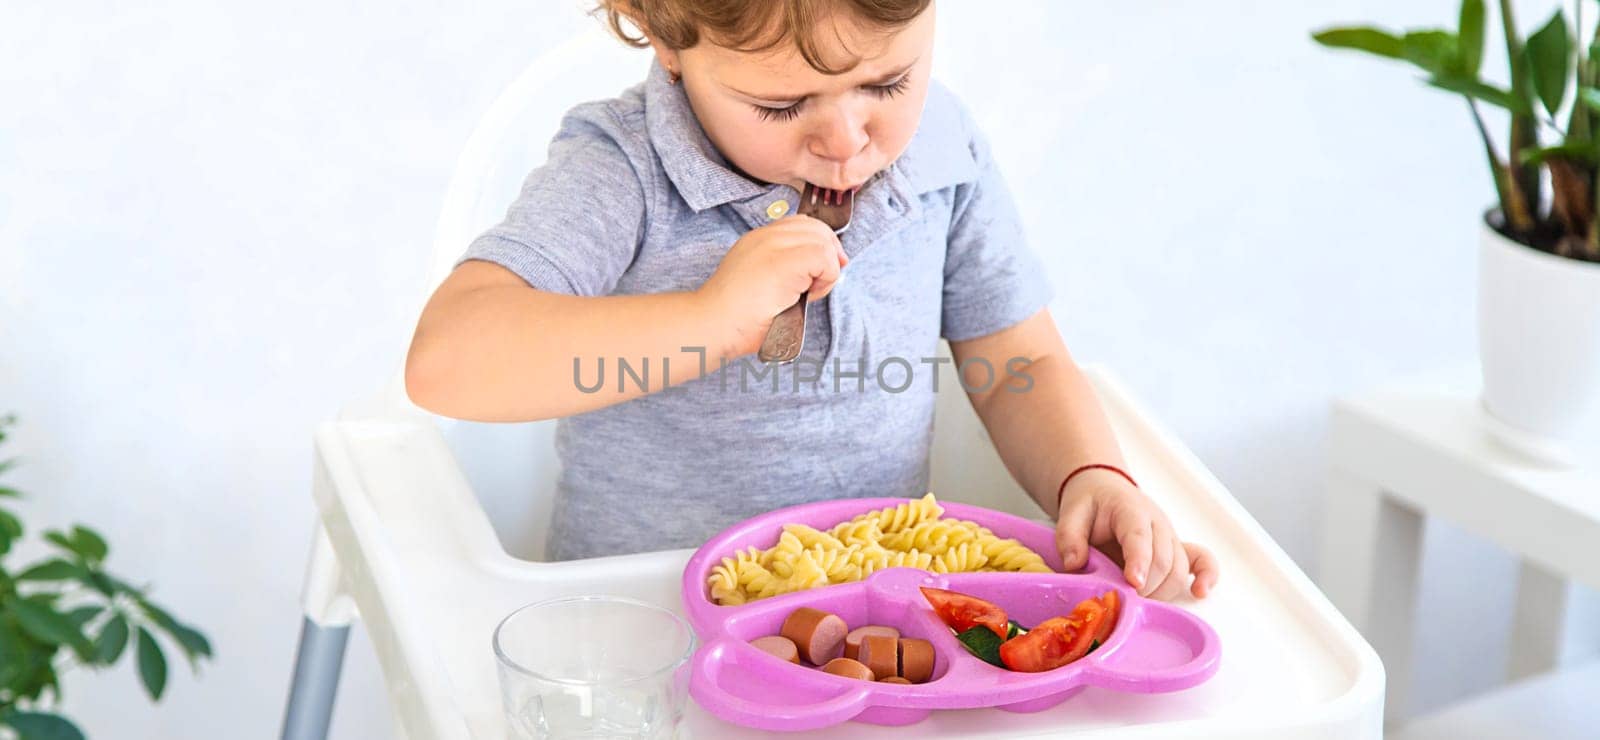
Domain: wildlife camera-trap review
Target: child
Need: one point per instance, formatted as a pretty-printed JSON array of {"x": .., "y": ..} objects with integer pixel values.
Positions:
[{"x": 660, "y": 239}]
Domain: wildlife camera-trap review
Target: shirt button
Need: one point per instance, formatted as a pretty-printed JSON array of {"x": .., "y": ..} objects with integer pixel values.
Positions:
[{"x": 777, "y": 209}]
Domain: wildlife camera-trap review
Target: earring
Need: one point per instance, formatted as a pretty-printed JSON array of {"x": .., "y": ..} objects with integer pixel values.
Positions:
[{"x": 672, "y": 76}]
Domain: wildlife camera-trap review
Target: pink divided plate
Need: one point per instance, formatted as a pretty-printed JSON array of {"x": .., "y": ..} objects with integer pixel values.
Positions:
[{"x": 1156, "y": 647}]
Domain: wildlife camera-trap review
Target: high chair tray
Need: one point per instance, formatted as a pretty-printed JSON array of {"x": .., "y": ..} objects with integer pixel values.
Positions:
[
  {"x": 422, "y": 566},
  {"x": 1154, "y": 648}
]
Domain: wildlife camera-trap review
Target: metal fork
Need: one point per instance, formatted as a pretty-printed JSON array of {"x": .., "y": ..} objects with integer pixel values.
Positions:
[{"x": 787, "y": 334}]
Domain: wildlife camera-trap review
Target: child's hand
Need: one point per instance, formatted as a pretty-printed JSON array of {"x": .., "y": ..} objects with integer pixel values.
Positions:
[
  {"x": 766, "y": 270},
  {"x": 1102, "y": 509}
]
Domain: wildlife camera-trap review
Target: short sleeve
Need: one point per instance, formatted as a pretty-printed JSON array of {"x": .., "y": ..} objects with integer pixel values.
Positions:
[
  {"x": 992, "y": 280},
  {"x": 579, "y": 219}
]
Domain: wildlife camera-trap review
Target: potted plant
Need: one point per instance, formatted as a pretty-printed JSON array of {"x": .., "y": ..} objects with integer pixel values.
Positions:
[
  {"x": 1539, "y": 255},
  {"x": 67, "y": 610}
]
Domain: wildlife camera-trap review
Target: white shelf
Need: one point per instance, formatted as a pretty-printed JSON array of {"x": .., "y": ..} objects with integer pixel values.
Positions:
[
  {"x": 1426, "y": 444},
  {"x": 1422, "y": 448}
]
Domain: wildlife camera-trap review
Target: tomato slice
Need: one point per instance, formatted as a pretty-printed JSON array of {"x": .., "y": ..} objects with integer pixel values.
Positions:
[
  {"x": 1043, "y": 648},
  {"x": 962, "y": 612},
  {"x": 1088, "y": 616},
  {"x": 1112, "y": 604}
]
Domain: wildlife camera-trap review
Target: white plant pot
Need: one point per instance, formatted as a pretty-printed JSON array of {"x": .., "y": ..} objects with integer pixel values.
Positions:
[{"x": 1539, "y": 344}]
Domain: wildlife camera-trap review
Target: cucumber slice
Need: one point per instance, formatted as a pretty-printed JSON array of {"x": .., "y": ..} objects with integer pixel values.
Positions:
[
  {"x": 1014, "y": 628},
  {"x": 982, "y": 642}
]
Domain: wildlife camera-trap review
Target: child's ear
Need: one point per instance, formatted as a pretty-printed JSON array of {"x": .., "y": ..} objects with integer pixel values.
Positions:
[
  {"x": 668, "y": 59},
  {"x": 665, "y": 56}
]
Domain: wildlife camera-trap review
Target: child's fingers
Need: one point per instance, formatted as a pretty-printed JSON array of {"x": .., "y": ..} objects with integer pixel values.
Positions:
[
  {"x": 1177, "y": 578},
  {"x": 824, "y": 266},
  {"x": 1204, "y": 566},
  {"x": 1072, "y": 533},
  {"x": 1133, "y": 532},
  {"x": 1161, "y": 558}
]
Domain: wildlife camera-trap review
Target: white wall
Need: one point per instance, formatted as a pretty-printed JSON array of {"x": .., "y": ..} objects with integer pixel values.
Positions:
[{"x": 214, "y": 222}]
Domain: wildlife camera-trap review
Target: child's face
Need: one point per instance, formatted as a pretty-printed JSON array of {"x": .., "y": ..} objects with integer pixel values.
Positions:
[{"x": 779, "y": 120}]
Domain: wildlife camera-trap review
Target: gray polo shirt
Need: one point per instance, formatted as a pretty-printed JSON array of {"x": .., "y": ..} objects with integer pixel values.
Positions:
[{"x": 635, "y": 199}]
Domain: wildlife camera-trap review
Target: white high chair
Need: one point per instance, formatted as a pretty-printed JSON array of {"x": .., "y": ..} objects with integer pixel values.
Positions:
[{"x": 430, "y": 529}]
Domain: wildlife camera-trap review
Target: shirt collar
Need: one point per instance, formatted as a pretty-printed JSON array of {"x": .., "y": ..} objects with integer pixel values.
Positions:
[
  {"x": 938, "y": 156},
  {"x": 696, "y": 169},
  {"x": 940, "y": 153}
]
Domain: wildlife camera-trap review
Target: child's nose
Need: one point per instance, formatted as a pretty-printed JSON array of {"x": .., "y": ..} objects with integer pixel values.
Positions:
[{"x": 840, "y": 137}]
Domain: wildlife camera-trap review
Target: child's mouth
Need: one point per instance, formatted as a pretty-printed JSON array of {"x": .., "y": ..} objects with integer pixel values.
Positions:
[
  {"x": 844, "y": 185},
  {"x": 818, "y": 194}
]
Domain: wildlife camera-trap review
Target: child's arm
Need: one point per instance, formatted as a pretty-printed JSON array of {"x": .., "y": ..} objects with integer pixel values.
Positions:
[
  {"x": 1048, "y": 430},
  {"x": 490, "y": 348}
]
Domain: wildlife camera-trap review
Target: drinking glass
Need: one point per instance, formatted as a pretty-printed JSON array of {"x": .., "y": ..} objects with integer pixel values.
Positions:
[{"x": 593, "y": 667}]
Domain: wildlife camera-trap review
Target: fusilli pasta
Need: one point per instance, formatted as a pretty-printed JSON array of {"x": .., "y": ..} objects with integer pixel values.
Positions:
[{"x": 912, "y": 534}]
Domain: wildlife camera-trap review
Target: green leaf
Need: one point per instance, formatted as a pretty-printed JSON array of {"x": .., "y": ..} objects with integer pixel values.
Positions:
[
  {"x": 108, "y": 584},
  {"x": 1370, "y": 40},
  {"x": 1470, "y": 38},
  {"x": 52, "y": 570},
  {"x": 83, "y": 542},
  {"x": 1583, "y": 152},
  {"x": 13, "y": 657},
  {"x": 1432, "y": 50},
  {"x": 9, "y": 493},
  {"x": 99, "y": 582},
  {"x": 1480, "y": 91},
  {"x": 10, "y": 530},
  {"x": 89, "y": 543},
  {"x": 121, "y": 586},
  {"x": 1549, "y": 53},
  {"x": 1590, "y": 97},
  {"x": 60, "y": 540},
  {"x": 112, "y": 639},
  {"x": 49, "y": 680},
  {"x": 152, "y": 665},
  {"x": 1093, "y": 646},
  {"x": 194, "y": 643},
  {"x": 42, "y": 726},
  {"x": 7, "y": 464},
  {"x": 84, "y": 614},
  {"x": 46, "y": 624},
  {"x": 10, "y": 524},
  {"x": 47, "y": 598},
  {"x": 31, "y": 673}
]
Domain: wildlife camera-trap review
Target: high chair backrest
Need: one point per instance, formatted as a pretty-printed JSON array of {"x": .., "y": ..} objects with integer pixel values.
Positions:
[{"x": 513, "y": 467}]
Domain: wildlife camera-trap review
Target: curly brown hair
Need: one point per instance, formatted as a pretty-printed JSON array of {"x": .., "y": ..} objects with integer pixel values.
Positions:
[{"x": 752, "y": 25}]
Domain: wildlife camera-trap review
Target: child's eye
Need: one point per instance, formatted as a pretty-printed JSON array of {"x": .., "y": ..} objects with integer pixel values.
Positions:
[
  {"x": 787, "y": 113},
  {"x": 790, "y": 112},
  {"x": 892, "y": 89}
]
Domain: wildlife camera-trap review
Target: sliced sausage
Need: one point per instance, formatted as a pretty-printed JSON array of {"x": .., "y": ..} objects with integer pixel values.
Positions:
[
  {"x": 818, "y": 635},
  {"x": 848, "y": 668},
  {"x": 881, "y": 653},
  {"x": 916, "y": 659},
  {"x": 778, "y": 645},
  {"x": 894, "y": 679},
  {"x": 852, "y": 641}
]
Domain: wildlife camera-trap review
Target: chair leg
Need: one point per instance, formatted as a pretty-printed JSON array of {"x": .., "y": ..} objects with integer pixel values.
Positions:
[
  {"x": 323, "y": 633},
  {"x": 316, "y": 680}
]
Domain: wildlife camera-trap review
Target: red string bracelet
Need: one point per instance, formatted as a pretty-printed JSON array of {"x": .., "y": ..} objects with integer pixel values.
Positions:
[{"x": 1062, "y": 491}]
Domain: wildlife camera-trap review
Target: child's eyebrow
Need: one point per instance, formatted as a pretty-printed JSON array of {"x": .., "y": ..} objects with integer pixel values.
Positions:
[{"x": 880, "y": 81}]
